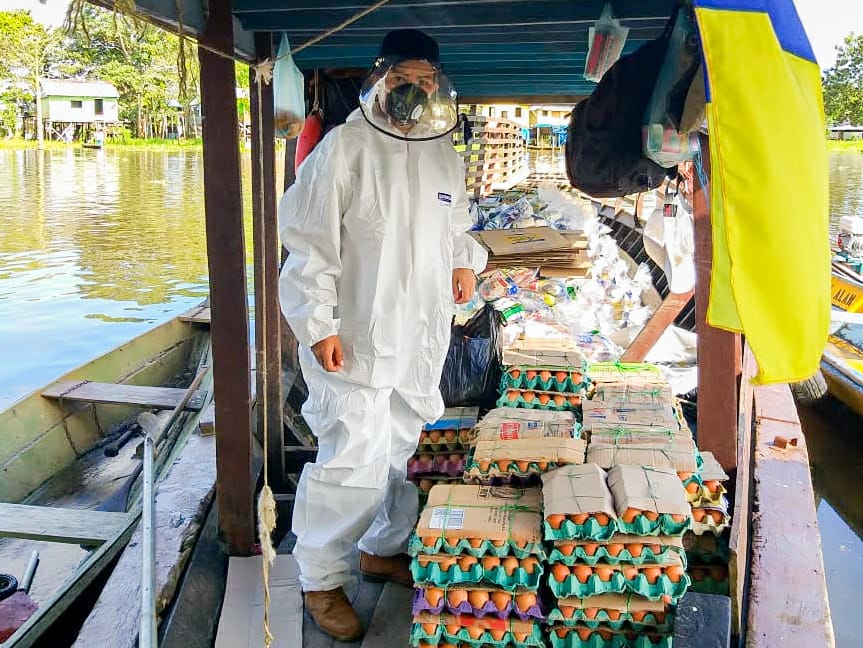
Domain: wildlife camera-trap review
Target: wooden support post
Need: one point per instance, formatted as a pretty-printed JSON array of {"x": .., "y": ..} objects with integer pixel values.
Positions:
[
  {"x": 267, "y": 255},
  {"x": 664, "y": 317},
  {"x": 223, "y": 203},
  {"x": 719, "y": 352}
]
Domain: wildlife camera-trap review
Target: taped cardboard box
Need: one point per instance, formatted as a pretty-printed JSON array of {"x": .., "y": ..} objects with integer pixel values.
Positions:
[
  {"x": 506, "y": 424},
  {"x": 520, "y": 241},
  {"x": 679, "y": 458},
  {"x": 624, "y": 415},
  {"x": 711, "y": 470},
  {"x": 577, "y": 503},
  {"x": 525, "y": 450},
  {"x": 647, "y": 436},
  {"x": 563, "y": 353},
  {"x": 497, "y": 514},
  {"x": 645, "y": 488}
]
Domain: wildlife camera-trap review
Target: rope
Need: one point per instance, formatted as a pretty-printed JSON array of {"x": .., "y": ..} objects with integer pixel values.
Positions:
[{"x": 266, "y": 501}]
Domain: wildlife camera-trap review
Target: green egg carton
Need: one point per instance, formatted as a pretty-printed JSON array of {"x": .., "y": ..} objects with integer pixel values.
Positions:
[
  {"x": 536, "y": 383},
  {"x": 433, "y": 574},
  {"x": 551, "y": 406},
  {"x": 663, "y": 525},
  {"x": 618, "y": 584},
  {"x": 601, "y": 555},
  {"x": 418, "y": 634},
  {"x": 590, "y": 530},
  {"x": 440, "y": 546},
  {"x": 572, "y": 640}
]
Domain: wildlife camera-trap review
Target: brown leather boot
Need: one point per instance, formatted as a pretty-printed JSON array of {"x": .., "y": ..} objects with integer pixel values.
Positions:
[
  {"x": 333, "y": 613},
  {"x": 394, "y": 568}
]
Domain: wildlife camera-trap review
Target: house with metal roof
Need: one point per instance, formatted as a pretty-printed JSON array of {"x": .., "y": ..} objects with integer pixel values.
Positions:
[{"x": 71, "y": 108}]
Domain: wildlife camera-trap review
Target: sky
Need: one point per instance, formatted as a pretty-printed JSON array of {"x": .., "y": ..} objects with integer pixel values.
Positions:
[{"x": 827, "y": 22}]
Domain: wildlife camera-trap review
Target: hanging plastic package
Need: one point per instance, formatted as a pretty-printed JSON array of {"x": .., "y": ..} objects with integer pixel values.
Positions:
[
  {"x": 289, "y": 93},
  {"x": 471, "y": 373},
  {"x": 607, "y": 38},
  {"x": 677, "y": 106}
]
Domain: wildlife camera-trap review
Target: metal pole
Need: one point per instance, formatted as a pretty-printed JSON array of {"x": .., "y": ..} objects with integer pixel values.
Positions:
[{"x": 147, "y": 638}]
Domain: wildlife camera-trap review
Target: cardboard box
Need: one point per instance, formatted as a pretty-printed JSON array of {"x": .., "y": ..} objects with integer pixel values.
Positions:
[
  {"x": 647, "y": 489},
  {"x": 520, "y": 241},
  {"x": 577, "y": 489},
  {"x": 629, "y": 416},
  {"x": 563, "y": 354},
  {"x": 622, "y": 602},
  {"x": 491, "y": 513},
  {"x": 531, "y": 447},
  {"x": 676, "y": 458},
  {"x": 711, "y": 470},
  {"x": 511, "y": 424}
]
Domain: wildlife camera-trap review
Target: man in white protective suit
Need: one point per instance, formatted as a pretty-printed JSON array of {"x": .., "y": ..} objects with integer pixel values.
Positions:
[{"x": 375, "y": 226}]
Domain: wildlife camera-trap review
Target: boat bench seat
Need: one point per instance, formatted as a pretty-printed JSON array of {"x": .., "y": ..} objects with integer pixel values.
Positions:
[
  {"x": 53, "y": 524},
  {"x": 118, "y": 394}
]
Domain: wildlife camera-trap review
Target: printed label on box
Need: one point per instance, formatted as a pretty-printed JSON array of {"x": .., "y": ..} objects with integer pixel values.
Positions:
[
  {"x": 447, "y": 518},
  {"x": 510, "y": 430}
]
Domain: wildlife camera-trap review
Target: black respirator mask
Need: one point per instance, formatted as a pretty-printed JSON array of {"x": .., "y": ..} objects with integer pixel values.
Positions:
[{"x": 406, "y": 103}]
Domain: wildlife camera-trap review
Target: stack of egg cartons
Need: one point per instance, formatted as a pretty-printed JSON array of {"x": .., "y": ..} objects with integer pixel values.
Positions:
[
  {"x": 616, "y": 561},
  {"x": 477, "y": 564},
  {"x": 442, "y": 450},
  {"x": 514, "y": 447},
  {"x": 706, "y": 544}
]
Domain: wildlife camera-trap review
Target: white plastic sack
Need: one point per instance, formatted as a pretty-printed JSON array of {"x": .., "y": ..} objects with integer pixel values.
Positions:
[
  {"x": 606, "y": 38},
  {"x": 288, "y": 93},
  {"x": 670, "y": 242}
]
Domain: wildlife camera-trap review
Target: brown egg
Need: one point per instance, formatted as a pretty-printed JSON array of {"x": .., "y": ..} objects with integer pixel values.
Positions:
[
  {"x": 560, "y": 376},
  {"x": 614, "y": 549},
  {"x": 601, "y": 519},
  {"x": 525, "y": 601},
  {"x": 497, "y": 635},
  {"x": 512, "y": 395},
  {"x": 455, "y": 457},
  {"x": 579, "y": 518},
  {"x": 490, "y": 562},
  {"x": 559, "y": 400},
  {"x": 613, "y": 615},
  {"x": 652, "y": 574},
  {"x": 678, "y": 519},
  {"x": 447, "y": 645},
  {"x": 630, "y": 573},
  {"x": 520, "y": 637},
  {"x": 528, "y": 396},
  {"x": 456, "y": 597},
  {"x": 449, "y": 435},
  {"x": 474, "y": 632},
  {"x": 660, "y": 617},
  {"x": 426, "y": 458},
  {"x": 452, "y": 629},
  {"x": 477, "y": 598},
  {"x": 465, "y": 435},
  {"x": 509, "y": 564},
  {"x": 635, "y": 549},
  {"x": 674, "y": 573},
  {"x": 429, "y": 628},
  {"x": 560, "y": 572},
  {"x": 465, "y": 563},
  {"x": 426, "y": 485},
  {"x": 484, "y": 466},
  {"x": 515, "y": 373},
  {"x": 567, "y": 549},
  {"x": 521, "y": 544},
  {"x": 584, "y": 633},
  {"x": 606, "y": 634},
  {"x": 423, "y": 644},
  {"x": 529, "y": 564},
  {"x": 452, "y": 541},
  {"x": 503, "y": 465},
  {"x": 684, "y": 475},
  {"x": 434, "y": 436},
  {"x": 545, "y": 375},
  {"x": 501, "y": 600},
  {"x": 429, "y": 541},
  {"x": 433, "y": 596},
  {"x": 475, "y": 543},
  {"x": 531, "y": 375},
  {"x": 590, "y": 613},
  {"x": 555, "y": 520},
  {"x": 523, "y": 466},
  {"x": 698, "y": 574},
  {"x": 656, "y": 549},
  {"x": 590, "y": 548},
  {"x": 630, "y": 514},
  {"x": 582, "y": 573},
  {"x": 576, "y": 377},
  {"x": 542, "y": 465},
  {"x": 698, "y": 515},
  {"x": 719, "y": 573},
  {"x": 447, "y": 564},
  {"x": 692, "y": 487},
  {"x": 666, "y": 599},
  {"x": 653, "y": 516},
  {"x": 712, "y": 485},
  {"x": 544, "y": 398},
  {"x": 638, "y": 615},
  {"x": 575, "y": 401},
  {"x": 604, "y": 573},
  {"x": 423, "y": 436},
  {"x": 562, "y": 632},
  {"x": 567, "y": 611},
  {"x": 498, "y": 543},
  {"x": 717, "y": 516}
]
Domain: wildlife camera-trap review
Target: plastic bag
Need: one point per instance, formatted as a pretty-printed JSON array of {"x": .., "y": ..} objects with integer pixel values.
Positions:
[
  {"x": 665, "y": 139},
  {"x": 607, "y": 38},
  {"x": 288, "y": 93},
  {"x": 471, "y": 373}
]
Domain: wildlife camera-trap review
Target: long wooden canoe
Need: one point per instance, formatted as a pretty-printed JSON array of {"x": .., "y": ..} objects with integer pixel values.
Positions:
[{"x": 57, "y": 481}]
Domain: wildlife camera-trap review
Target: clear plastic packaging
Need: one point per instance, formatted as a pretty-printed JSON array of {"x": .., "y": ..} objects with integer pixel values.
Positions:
[
  {"x": 607, "y": 38},
  {"x": 288, "y": 93}
]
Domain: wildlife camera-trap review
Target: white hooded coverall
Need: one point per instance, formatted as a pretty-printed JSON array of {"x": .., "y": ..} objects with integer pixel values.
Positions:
[{"x": 374, "y": 227}]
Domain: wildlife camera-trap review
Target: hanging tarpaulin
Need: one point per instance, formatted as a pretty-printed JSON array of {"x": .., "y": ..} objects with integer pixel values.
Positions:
[
  {"x": 288, "y": 93},
  {"x": 769, "y": 190}
]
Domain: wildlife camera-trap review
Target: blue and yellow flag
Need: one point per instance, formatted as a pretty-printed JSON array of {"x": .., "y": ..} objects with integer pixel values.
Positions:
[{"x": 769, "y": 190}]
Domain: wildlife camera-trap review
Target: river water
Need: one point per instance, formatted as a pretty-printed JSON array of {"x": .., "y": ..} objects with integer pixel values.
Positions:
[{"x": 98, "y": 246}]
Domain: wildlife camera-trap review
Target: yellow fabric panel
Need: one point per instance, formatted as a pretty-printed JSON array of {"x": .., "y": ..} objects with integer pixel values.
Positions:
[{"x": 768, "y": 144}]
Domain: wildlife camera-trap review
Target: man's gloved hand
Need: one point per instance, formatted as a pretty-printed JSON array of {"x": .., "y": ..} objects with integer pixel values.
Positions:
[
  {"x": 329, "y": 353},
  {"x": 463, "y": 285}
]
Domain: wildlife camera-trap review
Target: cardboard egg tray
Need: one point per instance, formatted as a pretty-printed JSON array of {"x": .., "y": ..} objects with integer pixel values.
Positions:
[
  {"x": 629, "y": 384},
  {"x": 456, "y": 600},
  {"x": 480, "y": 521},
  {"x": 544, "y": 379},
  {"x": 619, "y": 549},
  {"x": 577, "y": 504},
  {"x": 521, "y": 459},
  {"x": 445, "y": 441},
  {"x": 604, "y": 637},
  {"x": 510, "y": 574},
  {"x": 436, "y": 629},
  {"x": 708, "y": 489},
  {"x": 711, "y": 519},
  {"x": 654, "y": 582},
  {"x": 615, "y": 611},
  {"x": 539, "y": 400},
  {"x": 649, "y": 501},
  {"x": 451, "y": 464}
]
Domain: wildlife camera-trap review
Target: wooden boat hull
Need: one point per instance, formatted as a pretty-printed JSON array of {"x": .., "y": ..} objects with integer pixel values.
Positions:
[{"x": 842, "y": 363}]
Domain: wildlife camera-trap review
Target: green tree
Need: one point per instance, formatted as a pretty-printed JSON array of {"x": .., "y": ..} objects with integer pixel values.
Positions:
[
  {"x": 25, "y": 48},
  {"x": 843, "y": 83}
]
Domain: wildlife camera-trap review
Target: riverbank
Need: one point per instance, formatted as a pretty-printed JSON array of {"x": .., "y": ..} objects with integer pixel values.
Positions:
[
  {"x": 134, "y": 144},
  {"x": 845, "y": 145}
]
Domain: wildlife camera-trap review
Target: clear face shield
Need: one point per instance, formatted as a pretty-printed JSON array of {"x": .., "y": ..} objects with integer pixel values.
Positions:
[{"x": 409, "y": 99}]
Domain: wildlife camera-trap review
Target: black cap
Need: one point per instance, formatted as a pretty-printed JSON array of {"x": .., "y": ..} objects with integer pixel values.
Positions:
[{"x": 410, "y": 44}]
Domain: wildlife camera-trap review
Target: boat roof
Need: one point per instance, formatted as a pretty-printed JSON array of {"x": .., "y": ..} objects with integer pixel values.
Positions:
[{"x": 500, "y": 49}]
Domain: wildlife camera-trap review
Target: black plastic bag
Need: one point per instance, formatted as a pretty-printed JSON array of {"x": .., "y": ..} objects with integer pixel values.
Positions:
[{"x": 471, "y": 373}]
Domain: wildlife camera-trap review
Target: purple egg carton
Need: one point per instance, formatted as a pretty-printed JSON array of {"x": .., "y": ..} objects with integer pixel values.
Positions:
[
  {"x": 439, "y": 465},
  {"x": 420, "y": 605}
]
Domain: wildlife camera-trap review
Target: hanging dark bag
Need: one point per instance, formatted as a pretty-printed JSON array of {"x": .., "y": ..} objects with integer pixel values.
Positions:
[{"x": 471, "y": 373}]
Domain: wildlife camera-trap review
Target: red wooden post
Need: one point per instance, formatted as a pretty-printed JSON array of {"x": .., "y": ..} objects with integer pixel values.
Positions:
[
  {"x": 719, "y": 352},
  {"x": 227, "y": 265},
  {"x": 267, "y": 255}
]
